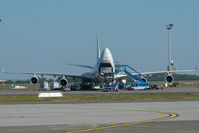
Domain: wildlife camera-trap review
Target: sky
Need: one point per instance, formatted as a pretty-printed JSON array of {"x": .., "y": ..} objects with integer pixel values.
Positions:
[{"x": 46, "y": 35}]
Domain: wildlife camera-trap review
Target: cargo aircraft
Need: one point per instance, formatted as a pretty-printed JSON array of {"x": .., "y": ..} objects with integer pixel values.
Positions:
[{"x": 104, "y": 64}]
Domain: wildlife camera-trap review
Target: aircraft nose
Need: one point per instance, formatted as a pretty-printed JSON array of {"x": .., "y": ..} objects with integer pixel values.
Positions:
[{"x": 106, "y": 55}]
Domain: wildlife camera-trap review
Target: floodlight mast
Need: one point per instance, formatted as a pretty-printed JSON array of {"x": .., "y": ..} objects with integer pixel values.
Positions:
[{"x": 169, "y": 27}]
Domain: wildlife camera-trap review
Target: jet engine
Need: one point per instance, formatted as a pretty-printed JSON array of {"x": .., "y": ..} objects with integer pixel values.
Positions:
[
  {"x": 34, "y": 80},
  {"x": 169, "y": 78},
  {"x": 144, "y": 79},
  {"x": 63, "y": 82}
]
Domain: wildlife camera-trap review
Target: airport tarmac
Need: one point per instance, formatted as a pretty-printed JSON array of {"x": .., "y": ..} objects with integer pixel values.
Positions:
[
  {"x": 137, "y": 117},
  {"x": 191, "y": 90}
]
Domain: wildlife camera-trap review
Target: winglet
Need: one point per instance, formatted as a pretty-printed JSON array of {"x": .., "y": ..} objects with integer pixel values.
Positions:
[
  {"x": 3, "y": 70},
  {"x": 196, "y": 68}
]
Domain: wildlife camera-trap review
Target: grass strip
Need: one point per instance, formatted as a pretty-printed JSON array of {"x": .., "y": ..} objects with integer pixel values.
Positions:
[{"x": 98, "y": 98}]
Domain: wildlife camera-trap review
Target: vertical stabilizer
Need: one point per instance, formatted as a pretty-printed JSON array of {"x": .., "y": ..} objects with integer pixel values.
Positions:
[{"x": 98, "y": 48}]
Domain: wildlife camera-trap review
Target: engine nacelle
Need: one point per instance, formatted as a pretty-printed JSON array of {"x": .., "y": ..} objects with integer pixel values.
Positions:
[
  {"x": 34, "y": 80},
  {"x": 169, "y": 78},
  {"x": 63, "y": 82},
  {"x": 144, "y": 79}
]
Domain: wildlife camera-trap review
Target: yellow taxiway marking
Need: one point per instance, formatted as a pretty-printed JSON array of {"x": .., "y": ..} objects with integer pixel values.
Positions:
[{"x": 171, "y": 115}]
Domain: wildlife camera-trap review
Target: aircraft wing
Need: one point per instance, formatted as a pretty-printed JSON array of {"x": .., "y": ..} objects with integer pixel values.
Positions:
[
  {"x": 156, "y": 72},
  {"x": 122, "y": 75},
  {"x": 48, "y": 74}
]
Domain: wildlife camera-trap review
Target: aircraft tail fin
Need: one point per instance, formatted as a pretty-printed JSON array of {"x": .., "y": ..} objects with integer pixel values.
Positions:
[{"x": 98, "y": 48}]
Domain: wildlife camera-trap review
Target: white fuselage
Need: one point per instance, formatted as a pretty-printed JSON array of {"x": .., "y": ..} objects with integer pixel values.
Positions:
[{"x": 105, "y": 64}]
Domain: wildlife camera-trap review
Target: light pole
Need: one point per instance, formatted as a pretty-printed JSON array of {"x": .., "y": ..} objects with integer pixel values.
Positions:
[{"x": 169, "y": 27}]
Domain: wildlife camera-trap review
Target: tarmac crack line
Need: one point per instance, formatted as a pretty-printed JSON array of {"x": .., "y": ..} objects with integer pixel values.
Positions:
[{"x": 170, "y": 116}]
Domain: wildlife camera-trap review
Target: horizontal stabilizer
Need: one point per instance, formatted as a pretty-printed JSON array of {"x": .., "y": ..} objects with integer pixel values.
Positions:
[{"x": 84, "y": 66}]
